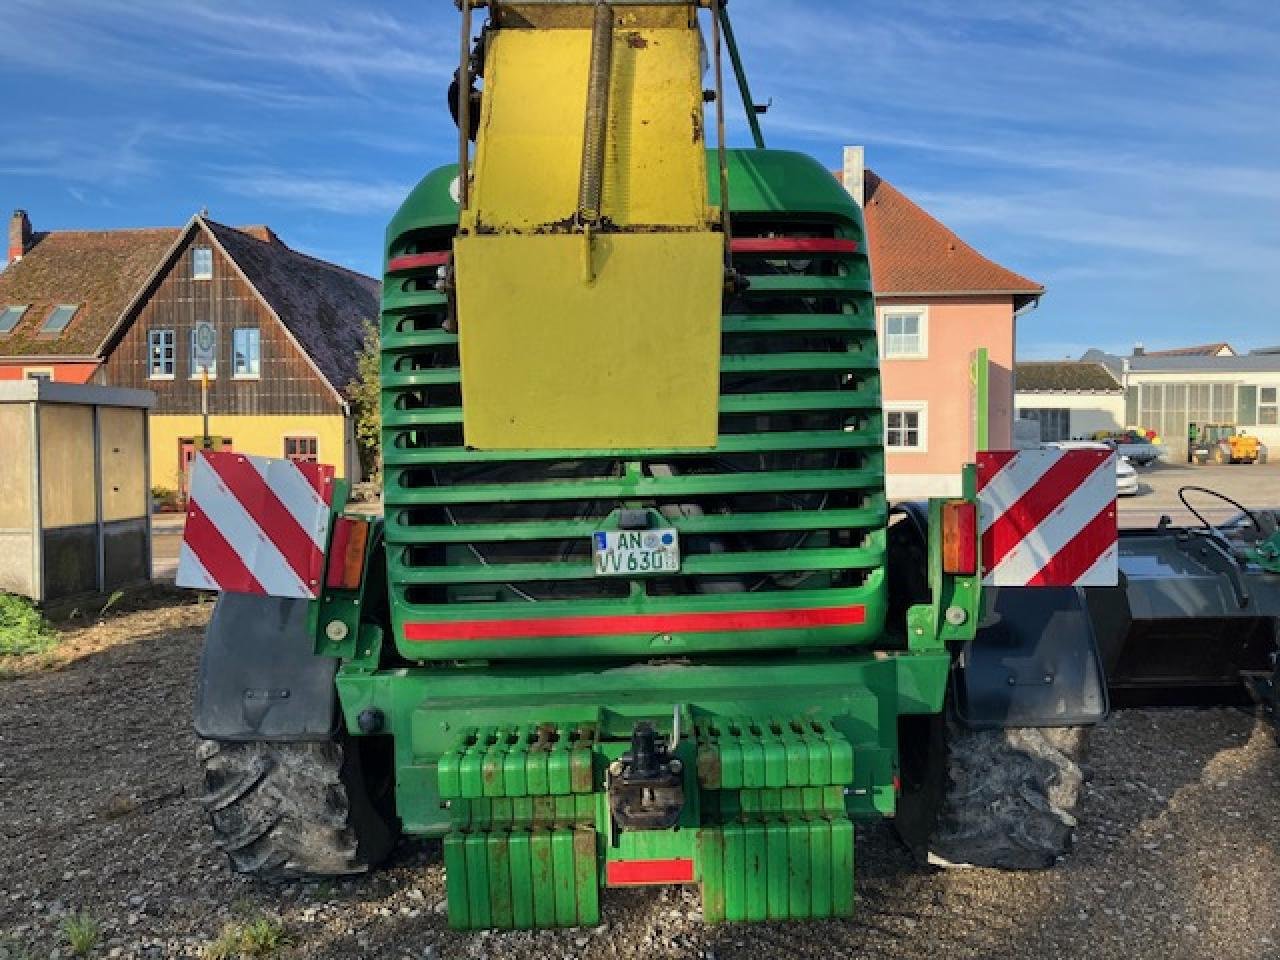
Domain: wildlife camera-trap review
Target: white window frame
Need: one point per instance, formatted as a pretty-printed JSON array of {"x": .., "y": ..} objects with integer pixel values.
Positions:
[
  {"x": 1273, "y": 405},
  {"x": 922, "y": 412},
  {"x": 34, "y": 373},
  {"x": 235, "y": 374},
  {"x": 196, "y": 274},
  {"x": 191, "y": 354},
  {"x": 921, "y": 313},
  {"x": 151, "y": 346}
]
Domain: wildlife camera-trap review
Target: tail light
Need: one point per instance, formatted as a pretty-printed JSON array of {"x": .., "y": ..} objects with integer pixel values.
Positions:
[
  {"x": 347, "y": 553},
  {"x": 960, "y": 538}
]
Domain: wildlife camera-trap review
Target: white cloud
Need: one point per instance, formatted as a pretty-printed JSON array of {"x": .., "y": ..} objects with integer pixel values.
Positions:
[{"x": 326, "y": 193}]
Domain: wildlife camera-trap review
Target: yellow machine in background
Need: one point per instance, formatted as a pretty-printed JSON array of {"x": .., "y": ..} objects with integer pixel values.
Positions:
[
  {"x": 589, "y": 267},
  {"x": 1222, "y": 444}
]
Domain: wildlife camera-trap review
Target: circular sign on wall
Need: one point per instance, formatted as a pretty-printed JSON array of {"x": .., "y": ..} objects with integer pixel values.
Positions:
[{"x": 204, "y": 352}]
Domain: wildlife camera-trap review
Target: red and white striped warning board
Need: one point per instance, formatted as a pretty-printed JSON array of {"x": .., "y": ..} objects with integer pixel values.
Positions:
[
  {"x": 1048, "y": 518},
  {"x": 256, "y": 525}
]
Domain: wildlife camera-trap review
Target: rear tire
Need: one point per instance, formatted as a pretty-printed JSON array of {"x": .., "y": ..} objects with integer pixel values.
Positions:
[
  {"x": 1006, "y": 799},
  {"x": 295, "y": 810}
]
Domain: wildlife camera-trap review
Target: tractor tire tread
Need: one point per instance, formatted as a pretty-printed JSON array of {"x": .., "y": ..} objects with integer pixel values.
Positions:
[
  {"x": 284, "y": 811},
  {"x": 1012, "y": 797}
]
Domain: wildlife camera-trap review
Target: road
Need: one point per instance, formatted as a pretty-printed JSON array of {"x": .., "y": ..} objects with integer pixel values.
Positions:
[{"x": 1256, "y": 486}]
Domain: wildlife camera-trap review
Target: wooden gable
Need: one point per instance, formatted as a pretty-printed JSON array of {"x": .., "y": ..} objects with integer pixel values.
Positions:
[{"x": 287, "y": 382}]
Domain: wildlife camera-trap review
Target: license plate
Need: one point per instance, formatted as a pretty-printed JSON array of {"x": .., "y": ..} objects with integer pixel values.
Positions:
[{"x": 636, "y": 553}]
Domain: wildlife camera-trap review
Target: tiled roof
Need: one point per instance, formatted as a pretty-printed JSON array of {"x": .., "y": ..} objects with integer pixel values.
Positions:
[
  {"x": 913, "y": 253},
  {"x": 324, "y": 306},
  {"x": 100, "y": 270},
  {"x": 1203, "y": 350},
  {"x": 1068, "y": 376}
]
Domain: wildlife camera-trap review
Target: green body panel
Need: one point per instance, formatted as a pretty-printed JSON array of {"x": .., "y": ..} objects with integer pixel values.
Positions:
[
  {"x": 1267, "y": 554},
  {"x": 781, "y": 754},
  {"x": 505, "y": 742}
]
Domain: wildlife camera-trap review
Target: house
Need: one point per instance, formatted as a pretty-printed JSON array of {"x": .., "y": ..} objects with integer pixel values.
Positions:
[
  {"x": 939, "y": 301},
  {"x": 1071, "y": 400},
  {"x": 279, "y": 330},
  {"x": 1169, "y": 390}
]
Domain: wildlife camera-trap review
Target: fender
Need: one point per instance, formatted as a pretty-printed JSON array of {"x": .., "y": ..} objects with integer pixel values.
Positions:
[
  {"x": 259, "y": 676},
  {"x": 1034, "y": 663}
]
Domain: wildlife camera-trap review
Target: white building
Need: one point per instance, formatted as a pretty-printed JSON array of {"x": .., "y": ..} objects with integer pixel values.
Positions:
[{"x": 1071, "y": 400}]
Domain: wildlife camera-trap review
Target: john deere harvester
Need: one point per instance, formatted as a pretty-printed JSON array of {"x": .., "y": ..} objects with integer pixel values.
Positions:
[{"x": 636, "y": 613}]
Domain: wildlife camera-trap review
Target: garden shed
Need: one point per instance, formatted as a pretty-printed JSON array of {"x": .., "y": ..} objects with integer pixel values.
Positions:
[{"x": 74, "y": 500}]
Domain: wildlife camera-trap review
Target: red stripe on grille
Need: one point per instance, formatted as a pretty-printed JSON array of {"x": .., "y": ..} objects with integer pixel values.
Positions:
[
  {"x": 417, "y": 261},
  {"x": 792, "y": 245},
  {"x": 637, "y": 873},
  {"x": 613, "y": 626}
]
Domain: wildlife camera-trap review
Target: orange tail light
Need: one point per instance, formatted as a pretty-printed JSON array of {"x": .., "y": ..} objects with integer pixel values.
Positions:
[
  {"x": 347, "y": 553},
  {"x": 960, "y": 538}
]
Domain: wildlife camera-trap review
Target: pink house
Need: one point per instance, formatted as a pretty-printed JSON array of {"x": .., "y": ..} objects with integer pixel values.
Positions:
[{"x": 938, "y": 301}]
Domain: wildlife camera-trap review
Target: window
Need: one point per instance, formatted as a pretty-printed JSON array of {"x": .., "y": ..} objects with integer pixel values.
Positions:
[
  {"x": 1268, "y": 409},
  {"x": 905, "y": 334},
  {"x": 246, "y": 353},
  {"x": 38, "y": 373},
  {"x": 905, "y": 428},
  {"x": 58, "y": 318},
  {"x": 9, "y": 318},
  {"x": 306, "y": 449},
  {"x": 161, "y": 355},
  {"x": 201, "y": 263},
  {"x": 1055, "y": 423},
  {"x": 210, "y": 350}
]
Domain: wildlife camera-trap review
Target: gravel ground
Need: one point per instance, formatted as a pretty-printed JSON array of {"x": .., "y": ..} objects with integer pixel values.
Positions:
[{"x": 1178, "y": 855}]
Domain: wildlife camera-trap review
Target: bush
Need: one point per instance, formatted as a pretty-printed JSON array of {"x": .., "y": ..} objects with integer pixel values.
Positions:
[{"x": 22, "y": 629}]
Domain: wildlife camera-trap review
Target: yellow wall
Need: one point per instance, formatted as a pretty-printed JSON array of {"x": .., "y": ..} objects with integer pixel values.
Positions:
[{"x": 261, "y": 436}]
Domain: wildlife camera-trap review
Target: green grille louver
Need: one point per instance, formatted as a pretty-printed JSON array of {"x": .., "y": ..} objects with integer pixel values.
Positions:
[{"x": 787, "y": 512}]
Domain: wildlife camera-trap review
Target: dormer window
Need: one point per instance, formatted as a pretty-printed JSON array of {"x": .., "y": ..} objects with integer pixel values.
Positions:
[
  {"x": 9, "y": 318},
  {"x": 58, "y": 318},
  {"x": 201, "y": 263}
]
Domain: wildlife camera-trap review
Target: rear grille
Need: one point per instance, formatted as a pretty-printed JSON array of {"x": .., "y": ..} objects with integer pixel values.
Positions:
[{"x": 790, "y": 502}]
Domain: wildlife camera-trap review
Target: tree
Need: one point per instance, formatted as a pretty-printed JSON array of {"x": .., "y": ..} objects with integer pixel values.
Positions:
[{"x": 365, "y": 393}]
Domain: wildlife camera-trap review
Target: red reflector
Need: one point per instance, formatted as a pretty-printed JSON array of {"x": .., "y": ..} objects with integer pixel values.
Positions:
[
  {"x": 445, "y": 631},
  {"x": 827, "y": 245},
  {"x": 346, "y": 554},
  {"x": 641, "y": 873},
  {"x": 960, "y": 538},
  {"x": 418, "y": 261}
]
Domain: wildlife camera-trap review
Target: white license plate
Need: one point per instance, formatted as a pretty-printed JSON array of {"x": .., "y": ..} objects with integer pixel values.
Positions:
[{"x": 635, "y": 553}]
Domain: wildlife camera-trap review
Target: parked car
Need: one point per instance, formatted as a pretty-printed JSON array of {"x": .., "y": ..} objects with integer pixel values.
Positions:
[
  {"x": 1127, "y": 484},
  {"x": 1143, "y": 448}
]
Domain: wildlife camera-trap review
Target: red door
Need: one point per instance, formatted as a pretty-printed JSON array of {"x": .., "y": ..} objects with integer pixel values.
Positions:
[{"x": 187, "y": 448}]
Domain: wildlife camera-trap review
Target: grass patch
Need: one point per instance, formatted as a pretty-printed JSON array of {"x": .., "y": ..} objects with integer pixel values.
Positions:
[
  {"x": 82, "y": 933},
  {"x": 22, "y": 629},
  {"x": 261, "y": 937}
]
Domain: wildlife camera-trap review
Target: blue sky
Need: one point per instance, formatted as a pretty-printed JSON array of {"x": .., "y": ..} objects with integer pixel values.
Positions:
[{"x": 1126, "y": 153}]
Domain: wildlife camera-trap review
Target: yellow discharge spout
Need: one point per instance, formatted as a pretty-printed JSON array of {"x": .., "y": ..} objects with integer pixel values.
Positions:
[{"x": 589, "y": 270}]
